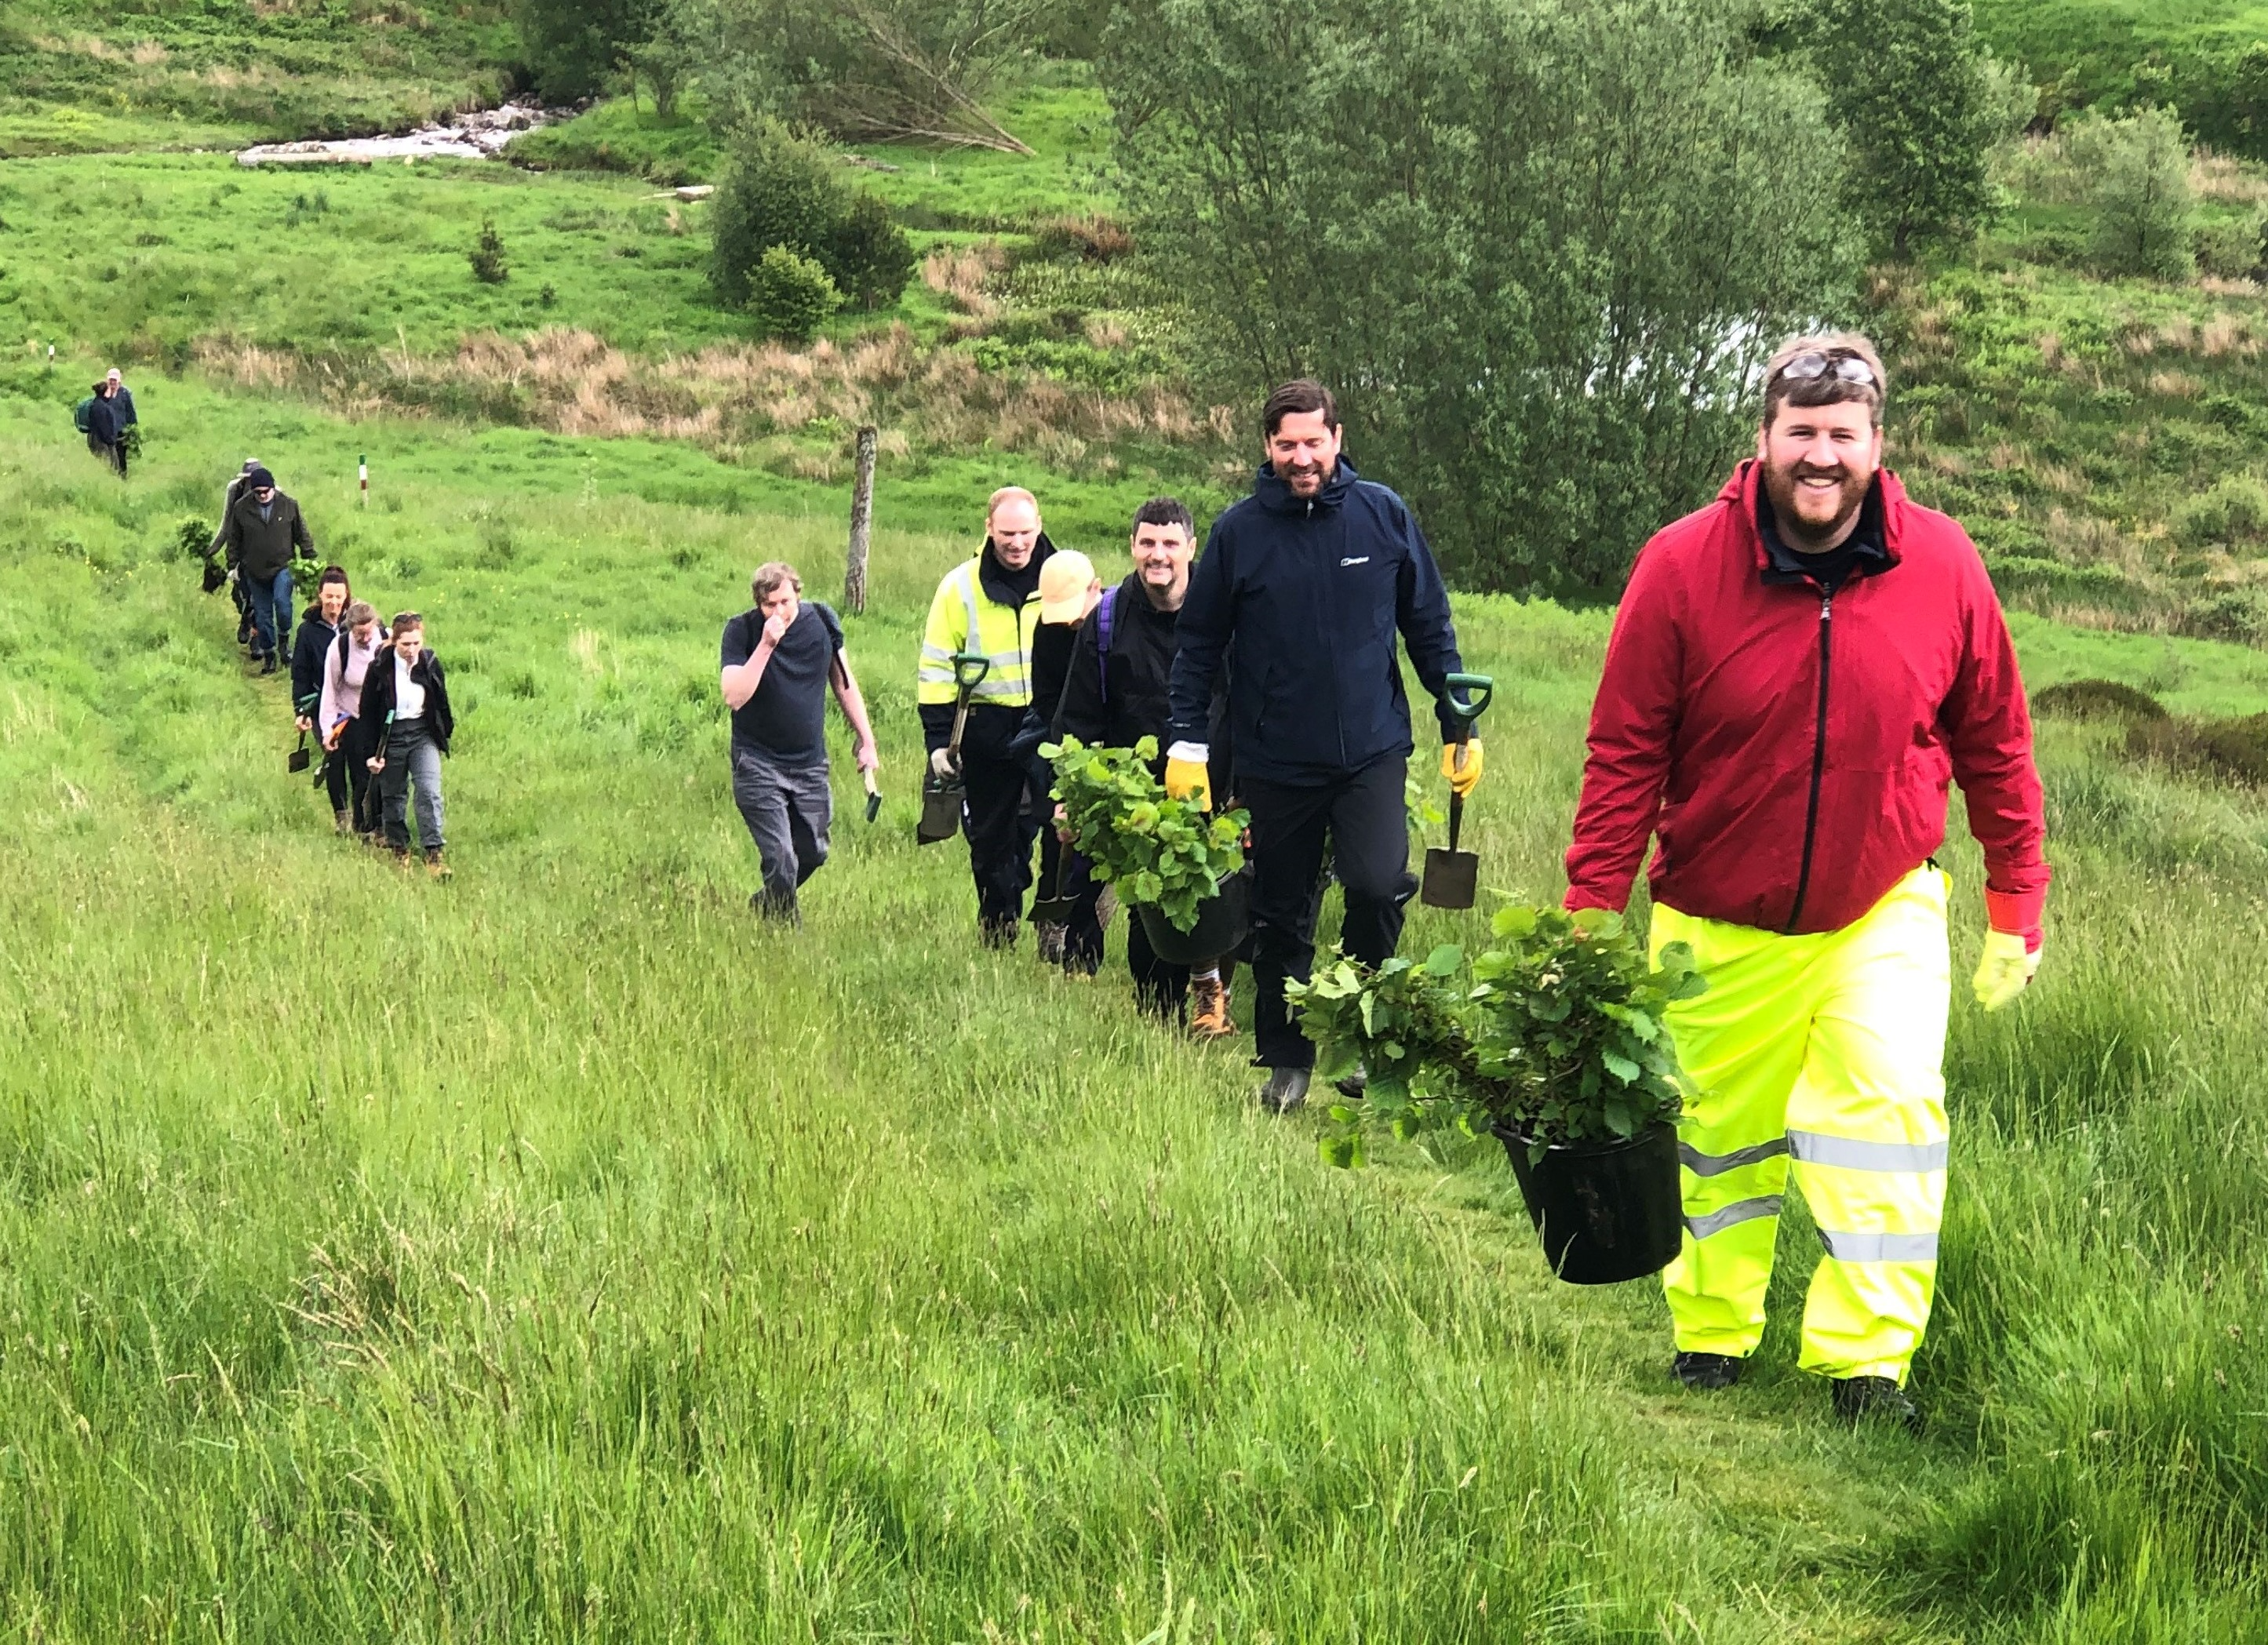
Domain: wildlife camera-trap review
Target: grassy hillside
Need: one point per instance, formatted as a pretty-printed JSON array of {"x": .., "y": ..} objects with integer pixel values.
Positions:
[
  {"x": 201, "y": 73},
  {"x": 556, "y": 1251}
]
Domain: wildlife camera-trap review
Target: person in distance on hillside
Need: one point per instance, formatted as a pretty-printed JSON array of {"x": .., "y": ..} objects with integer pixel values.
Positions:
[
  {"x": 1068, "y": 592},
  {"x": 779, "y": 660},
  {"x": 105, "y": 427},
  {"x": 1303, "y": 587},
  {"x": 990, "y": 604},
  {"x": 262, "y": 534},
  {"x": 405, "y": 700},
  {"x": 123, "y": 396},
  {"x": 1796, "y": 672},
  {"x": 319, "y": 632},
  {"x": 1117, "y": 693},
  {"x": 237, "y": 591},
  {"x": 350, "y": 739}
]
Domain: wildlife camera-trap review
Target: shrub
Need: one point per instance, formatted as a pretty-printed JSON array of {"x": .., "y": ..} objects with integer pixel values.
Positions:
[
  {"x": 2231, "y": 248},
  {"x": 2098, "y": 698},
  {"x": 1161, "y": 853},
  {"x": 868, "y": 255},
  {"x": 486, "y": 257},
  {"x": 1557, "y": 1033},
  {"x": 778, "y": 189},
  {"x": 2140, "y": 168},
  {"x": 2234, "y": 510},
  {"x": 1092, "y": 238},
  {"x": 2236, "y": 749},
  {"x": 791, "y": 295}
]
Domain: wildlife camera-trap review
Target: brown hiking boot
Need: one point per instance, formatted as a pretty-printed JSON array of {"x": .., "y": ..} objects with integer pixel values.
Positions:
[
  {"x": 435, "y": 868},
  {"x": 400, "y": 856},
  {"x": 1209, "y": 1018},
  {"x": 343, "y": 824}
]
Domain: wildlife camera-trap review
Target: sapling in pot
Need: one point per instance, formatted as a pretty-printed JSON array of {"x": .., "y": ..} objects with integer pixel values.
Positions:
[
  {"x": 1555, "y": 1041},
  {"x": 1170, "y": 859}
]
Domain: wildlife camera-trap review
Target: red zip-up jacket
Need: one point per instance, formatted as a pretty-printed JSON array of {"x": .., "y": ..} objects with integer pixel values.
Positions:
[{"x": 1791, "y": 751}]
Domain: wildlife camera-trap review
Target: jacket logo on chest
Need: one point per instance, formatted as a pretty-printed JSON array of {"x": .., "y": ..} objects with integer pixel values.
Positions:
[{"x": 1360, "y": 559}]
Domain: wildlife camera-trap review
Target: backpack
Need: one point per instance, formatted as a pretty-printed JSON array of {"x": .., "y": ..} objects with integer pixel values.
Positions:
[
  {"x": 1102, "y": 640},
  {"x": 83, "y": 415}
]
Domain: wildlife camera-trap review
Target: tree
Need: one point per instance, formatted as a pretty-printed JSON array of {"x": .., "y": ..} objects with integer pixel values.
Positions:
[
  {"x": 576, "y": 47},
  {"x": 869, "y": 255},
  {"x": 2141, "y": 165},
  {"x": 1918, "y": 100},
  {"x": 1540, "y": 248}
]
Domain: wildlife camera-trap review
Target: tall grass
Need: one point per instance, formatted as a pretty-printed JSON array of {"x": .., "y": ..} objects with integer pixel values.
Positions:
[{"x": 559, "y": 1251}]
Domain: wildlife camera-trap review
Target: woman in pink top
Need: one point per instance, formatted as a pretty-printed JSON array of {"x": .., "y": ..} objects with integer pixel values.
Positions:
[{"x": 344, "y": 665}]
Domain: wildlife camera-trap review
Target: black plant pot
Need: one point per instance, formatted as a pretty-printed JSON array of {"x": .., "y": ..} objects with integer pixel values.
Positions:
[
  {"x": 1222, "y": 920},
  {"x": 1607, "y": 1211}
]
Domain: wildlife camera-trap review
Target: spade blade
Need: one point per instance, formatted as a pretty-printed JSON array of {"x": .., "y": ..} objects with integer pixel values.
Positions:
[{"x": 1451, "y": 879}]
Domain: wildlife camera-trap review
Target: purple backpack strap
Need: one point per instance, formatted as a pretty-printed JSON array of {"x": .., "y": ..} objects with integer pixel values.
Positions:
[{"x": 1102, "y": 639}]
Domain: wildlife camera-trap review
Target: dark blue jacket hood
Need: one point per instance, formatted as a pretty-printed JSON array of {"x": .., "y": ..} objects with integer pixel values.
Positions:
[{"x": 1306, "y": 596}]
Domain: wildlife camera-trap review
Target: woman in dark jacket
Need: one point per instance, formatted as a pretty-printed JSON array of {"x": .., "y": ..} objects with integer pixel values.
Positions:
[
  {"x": 318, "y": 631},
  {"x": 405, "y": 701}
]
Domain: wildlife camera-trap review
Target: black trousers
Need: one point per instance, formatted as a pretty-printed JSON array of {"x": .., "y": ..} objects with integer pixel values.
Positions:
[
  {"x": 356, "y": 746},
  {"x": 334, "y": 777},
  {"x": 1001, "y": 829},
  {"x": 1362, "y": 816}
]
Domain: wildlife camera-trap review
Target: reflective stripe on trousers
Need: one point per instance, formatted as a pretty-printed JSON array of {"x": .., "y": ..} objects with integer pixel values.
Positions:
[{"x": 1820, "y": 1057}]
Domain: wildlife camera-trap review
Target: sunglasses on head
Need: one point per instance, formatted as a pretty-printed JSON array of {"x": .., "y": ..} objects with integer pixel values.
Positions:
[{"x": 1848, "y": 368}]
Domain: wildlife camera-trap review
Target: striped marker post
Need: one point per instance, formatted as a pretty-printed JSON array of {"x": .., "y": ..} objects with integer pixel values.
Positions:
[{"x": 362, "y": 467}]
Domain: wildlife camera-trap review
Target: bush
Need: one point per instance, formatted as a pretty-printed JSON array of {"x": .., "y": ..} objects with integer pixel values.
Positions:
[
  {"x": 2140, "y": 170},
  {"x": 791, "y": 295},
  {"x": 2236, "y": 749},
  {"x": 780, "y": 189},
  {"x": 2234, "y": 512},
  {"x": 486, "y": 257},
  {"x": 2098, "y": 698},
  {"x": 1092, "y": 238},
  {"x": 868, "y": 255},
  {"x": 1162, "y": 853},
  {"x": 2231, "y": 248}
]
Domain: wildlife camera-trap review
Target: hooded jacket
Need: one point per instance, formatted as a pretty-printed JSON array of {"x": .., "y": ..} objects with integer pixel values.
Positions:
[
  {"x": 377, "y": 696},
  {"x": 982, "y": 606},
  {"x": 309, "y": 645},
  {"x": 1304, "y": 595},
  {"x": 1792, "y": 750}
]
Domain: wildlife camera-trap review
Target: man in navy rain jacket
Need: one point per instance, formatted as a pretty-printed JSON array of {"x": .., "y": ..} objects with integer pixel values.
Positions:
[{"x": 1304, "y": 586}]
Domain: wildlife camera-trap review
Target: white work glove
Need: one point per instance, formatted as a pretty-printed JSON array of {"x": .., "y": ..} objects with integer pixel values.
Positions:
[{"x": 945, "y": 765}]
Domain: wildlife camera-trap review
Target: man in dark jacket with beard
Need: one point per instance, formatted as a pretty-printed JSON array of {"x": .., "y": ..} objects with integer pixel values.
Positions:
[
  {"x": 1305, "y": 585},
  {"x": 990, "y": 606}
]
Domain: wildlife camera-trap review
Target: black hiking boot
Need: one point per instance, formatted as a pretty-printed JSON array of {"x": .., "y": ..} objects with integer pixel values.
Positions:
[
  {"x": 267, "y": 663},
  {"x": 1286, "y": 1089},
  {"x": 998, "y": 933},
  {"x": 1706, "y": 1370},
  {"x": 1355, "y": 1086},
  {"x": 1862, "y": 1400}
]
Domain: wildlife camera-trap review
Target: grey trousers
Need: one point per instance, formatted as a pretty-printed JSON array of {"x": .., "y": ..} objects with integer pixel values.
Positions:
[
  {"x": 410, "y": 757},
  {"x": 788, "y": 810}
]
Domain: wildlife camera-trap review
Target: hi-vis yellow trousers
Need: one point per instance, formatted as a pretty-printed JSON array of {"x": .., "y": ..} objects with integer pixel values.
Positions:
[{"x": 1826, "y": 1052}]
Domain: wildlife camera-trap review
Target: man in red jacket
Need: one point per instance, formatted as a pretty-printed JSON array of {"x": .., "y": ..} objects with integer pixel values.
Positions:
[{"x": 1797, "y": 673}]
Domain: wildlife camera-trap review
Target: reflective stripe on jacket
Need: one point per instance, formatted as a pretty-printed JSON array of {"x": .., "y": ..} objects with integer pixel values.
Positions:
[
  {"x": 1780, "y": 803},
  {"x": 1001, "y": 634}
]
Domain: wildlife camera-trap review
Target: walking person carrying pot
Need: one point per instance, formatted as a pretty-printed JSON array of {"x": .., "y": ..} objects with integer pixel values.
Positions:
[
  {"x": 988, "y": 607},
  {"x": 1797, "y": 673},
  {"x": 262, "y": 534},
  {"x": 1304, "y": 586},
  {"x": 405, "y": 697},
  {"x": 1116, "y": 693},
  {"x": 779, "y": 660}
]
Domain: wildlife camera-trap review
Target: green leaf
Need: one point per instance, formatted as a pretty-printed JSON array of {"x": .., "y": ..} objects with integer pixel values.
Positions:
[
  {"x": 1621, "y": 1068},
  {"x": 1445, "y": 960}
]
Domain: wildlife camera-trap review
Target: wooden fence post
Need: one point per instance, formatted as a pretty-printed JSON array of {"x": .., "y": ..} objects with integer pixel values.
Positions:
[{"x": 862, "y": 521}]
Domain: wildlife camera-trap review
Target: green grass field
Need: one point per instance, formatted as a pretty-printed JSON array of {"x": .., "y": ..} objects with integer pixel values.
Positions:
[{"x": 559, "y": 1253}]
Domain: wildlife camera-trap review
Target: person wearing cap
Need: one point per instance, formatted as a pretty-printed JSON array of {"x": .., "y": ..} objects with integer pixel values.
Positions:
[
  {"x": 262, "y": 534},
  {"x": 1069, "y": 589},
  {"x": 989, "y": 605},
  {"x": 237, "y": 591},
  {"x": 122, "y": 396},
  {"x": 1797, "y": 674}
]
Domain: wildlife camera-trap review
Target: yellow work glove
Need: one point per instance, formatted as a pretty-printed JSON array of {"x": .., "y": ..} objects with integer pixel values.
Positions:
[
  {"x": 2010, "y": 960},
  {"x": 1188, "y": 780},
  {"x": 1464, "y": 774}
]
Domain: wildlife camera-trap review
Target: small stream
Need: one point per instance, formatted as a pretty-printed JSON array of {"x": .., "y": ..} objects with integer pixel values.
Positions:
[{"x": 478, "y": 135}]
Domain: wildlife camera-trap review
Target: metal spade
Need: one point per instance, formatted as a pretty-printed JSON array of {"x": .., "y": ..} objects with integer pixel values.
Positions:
[
  {"x": 943, "y": 798},
  {"x": 1453, "y": 876},
  {"x": 873, "y": 796}
]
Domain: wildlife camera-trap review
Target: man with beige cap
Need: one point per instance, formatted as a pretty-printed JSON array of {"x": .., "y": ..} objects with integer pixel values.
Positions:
[{"x": 990, "y": 605}]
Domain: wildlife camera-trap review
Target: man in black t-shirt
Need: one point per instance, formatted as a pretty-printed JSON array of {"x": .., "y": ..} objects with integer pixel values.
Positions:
[{"x": 779, "y": 660}]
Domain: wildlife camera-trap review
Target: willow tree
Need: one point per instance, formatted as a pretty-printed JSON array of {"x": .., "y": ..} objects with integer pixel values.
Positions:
[{"x": 1539, "y": 246}]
